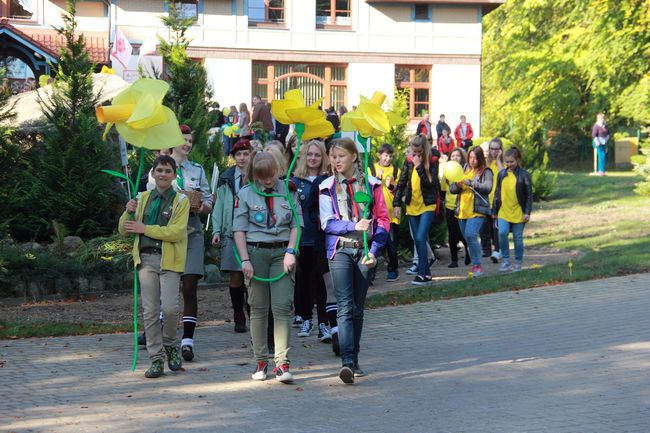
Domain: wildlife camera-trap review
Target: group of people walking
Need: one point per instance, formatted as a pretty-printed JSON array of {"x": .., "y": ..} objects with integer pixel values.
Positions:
[{"x": 290, "y": 241}]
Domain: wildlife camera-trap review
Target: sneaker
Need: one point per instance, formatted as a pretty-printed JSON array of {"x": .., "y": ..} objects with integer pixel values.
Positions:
[
  {"x": 174, "y": 361},
  {"x": 260, "y": 371},
  {"x": 335, "y": 344},
  {"x": 240, "y": 322},
  {"x": 495, "y": 257},
  {"x": 477, "y": 271},
  {"x": 358, "y": 372},
  {"x": 187, "y": 350},
  {"x": 517, "y": 267},
  {"x": 282, "y": 374},
  {"x": 391, "y": 276},
  {"x": 305, "y": 329},
  {"x": 297, "y": 321},
  {"x": 156, "y": 369},
  {"x": 413, "y": 270},
  {"x": 421, "y": 281},
  {"x": 452, "y": 265},
  {"x": 505, "y": 266},
  {"x": 346, "y": 373},
  {"x": 142, "y": 339},
  {"x": 324, "y": 334}
]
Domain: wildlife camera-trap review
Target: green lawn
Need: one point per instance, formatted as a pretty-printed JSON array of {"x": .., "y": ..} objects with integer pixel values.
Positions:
[{"x": 601, "y": 218}]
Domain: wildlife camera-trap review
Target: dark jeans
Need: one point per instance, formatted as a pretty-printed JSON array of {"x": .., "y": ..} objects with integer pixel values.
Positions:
[
  {"x": 351, "y": 280},
  {"x": 489, "y": 236},
  {"x": 455, "y": 235},
  {"x": 420, "y": 226},
  {"x": 391, "y": 248},
  {"x": 309, "y": 285}
]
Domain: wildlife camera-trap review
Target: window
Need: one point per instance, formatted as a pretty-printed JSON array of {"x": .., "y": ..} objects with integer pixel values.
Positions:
[
  {"x": 333, "y": 13},
  {"x": 265, "y": 11},
  {"x": 316, "y": 80},
  {"x": 19, "y": 9},
  {"x": 188, "y": 9},
  {"x": 421, "y": 12},
  {"x": 417, "y": 81}
]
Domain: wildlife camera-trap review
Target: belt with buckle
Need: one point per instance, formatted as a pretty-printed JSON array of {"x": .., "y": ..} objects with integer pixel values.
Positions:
[
  {"x": 151, "y": 250},
  {"x": 349, "y": 244},
  {"x": 268, "y": 244}
]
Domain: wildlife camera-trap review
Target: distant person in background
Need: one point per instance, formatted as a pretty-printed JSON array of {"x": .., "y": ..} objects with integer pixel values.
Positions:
[
  {"x": 261, "y": 113},
  {"x": 333, "y": 118},
  {"x": 445, "y": 143},
  {"x": 440, "y": 126},
  {"x": 244, "y": 121},
  {"x": 424, "y": 127},
  {"x": 342, "y": 111},
  {"x": 600, "y": 136},
  {"x": 464, "y": 133}
]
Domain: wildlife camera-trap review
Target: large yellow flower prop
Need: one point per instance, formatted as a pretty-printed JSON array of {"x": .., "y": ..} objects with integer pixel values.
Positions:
[
  {"x": 140, "y": 118},
  {"x": 369, "y": 119},
  {"x": 293, "y": 110}
]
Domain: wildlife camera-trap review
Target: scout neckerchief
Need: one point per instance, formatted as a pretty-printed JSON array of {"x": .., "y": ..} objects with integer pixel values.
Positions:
[
  {"x": 179, "y": 177},
  {"x": 270, "y": 216},
  {"x": 153, "y": 212},
  {"x": 353, "y": 208}
]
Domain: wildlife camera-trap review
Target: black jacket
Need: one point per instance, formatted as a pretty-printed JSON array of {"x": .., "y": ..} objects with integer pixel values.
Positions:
[
  {"x": 523, "y": 188},
  {"x": 430, "y": 188},
  {"x": 482, "y": 186}
]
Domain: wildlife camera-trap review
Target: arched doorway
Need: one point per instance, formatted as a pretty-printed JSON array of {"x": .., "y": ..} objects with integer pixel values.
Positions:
[{"x": 19, "y": 75}]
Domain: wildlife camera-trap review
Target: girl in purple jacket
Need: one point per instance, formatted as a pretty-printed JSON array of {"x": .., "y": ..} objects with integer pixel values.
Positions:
[{"x": 341, "y": 218}]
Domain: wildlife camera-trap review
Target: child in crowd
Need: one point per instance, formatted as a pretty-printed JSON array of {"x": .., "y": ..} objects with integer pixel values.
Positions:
[
  {"x": 341, "y": 217},
  {"x": 388, "y": 174},
  {"x": 453, "y": 229},
  {"x": 420, "y": 187},
  {"x": 513, "y": 203},
  {"x": 489, "y": 233},
  {"x": 265, "y": 232},
  {"x": 472, "y": 203},
  {"x": 230, "y": 182},
  {"x": 159, "y": 254}
]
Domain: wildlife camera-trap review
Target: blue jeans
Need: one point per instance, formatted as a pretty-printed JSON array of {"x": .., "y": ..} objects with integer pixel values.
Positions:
[
  {"x": 470, "y": 228},
  {"x": 518, "y": 237},
  {"x": 601, "y": 152},
  {"x": 351, "y": 280},
  {"x": 420, "y": 226}
]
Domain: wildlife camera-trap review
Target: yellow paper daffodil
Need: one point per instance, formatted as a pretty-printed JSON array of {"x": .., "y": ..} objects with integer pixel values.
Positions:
[
  {"x": 106, "y": 70},
  {"x": 293, "y": 110},
  {"x": 140, "y": 118},
  {"x": 369, "y": 119}
]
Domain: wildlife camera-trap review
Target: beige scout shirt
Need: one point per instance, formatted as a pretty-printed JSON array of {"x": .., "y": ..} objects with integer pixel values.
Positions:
[{"x": 251, "y": 214}]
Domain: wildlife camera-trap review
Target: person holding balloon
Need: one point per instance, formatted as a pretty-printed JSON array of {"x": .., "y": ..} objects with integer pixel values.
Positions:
[
  {"x": 343, "y": 201},
  {"x": 453, "y": 172},
  {"x": 472, "y": 203}
]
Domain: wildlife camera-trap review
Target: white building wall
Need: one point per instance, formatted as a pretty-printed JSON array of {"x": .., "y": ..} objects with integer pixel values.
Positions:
[
  {"x": 366, "y": 78},
  {"x": 456, "y": 90},
  {"x": 230, "y": 80}
]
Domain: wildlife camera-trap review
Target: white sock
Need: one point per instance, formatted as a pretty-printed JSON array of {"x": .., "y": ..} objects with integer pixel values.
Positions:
[
  {"x": 187, "y": 342},
  {"x": 335, "y": 330}
]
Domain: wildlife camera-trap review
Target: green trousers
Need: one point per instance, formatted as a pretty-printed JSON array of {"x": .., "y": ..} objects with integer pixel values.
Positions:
[{"x": 269, "y": 262}]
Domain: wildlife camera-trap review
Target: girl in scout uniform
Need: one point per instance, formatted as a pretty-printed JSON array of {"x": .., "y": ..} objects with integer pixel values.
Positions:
[
  {"x": 230, "y": 182},
  {"x": 513, "y": 202},
  {"x": 453, "y": 229},
  {"x": 313, "y": 162},
  {"x": 265, "y": 234},
  {"x": 159, "y": 253},
  {"x": 341, "y": 218},
  {"x": 191, "y": 177}
]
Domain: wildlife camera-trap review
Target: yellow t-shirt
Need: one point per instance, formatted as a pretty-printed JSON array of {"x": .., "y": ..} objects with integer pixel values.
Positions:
[
  {"x": 510, "y": 209},
  {"x": 416, "y": 206},
  {"x": 466, "y": 210},
  {"x": 383, "y": 173},
  {"x": 450, "y": 199},
  {"x": 495, "y": 172}
]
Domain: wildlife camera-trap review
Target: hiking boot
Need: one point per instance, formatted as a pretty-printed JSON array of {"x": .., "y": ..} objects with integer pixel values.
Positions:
[
  {"x": 297, "y": 321},
  {"x": 261, "y": 370},
  {"x": 240, "y": 322},
  {"x": 391, "y": 276},
  {"x": 306, "y": 328},
  {"x": 346, "y": 374},
  {"x": 282, "y": 374},
  {"x": 156, "y": 369},
  {"x": 174, "y": 361},
  {"x": 324, "y": 334}
]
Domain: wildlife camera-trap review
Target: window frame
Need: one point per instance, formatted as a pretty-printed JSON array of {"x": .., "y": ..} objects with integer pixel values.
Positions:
[
  {"x": 196, "y": 3},
  {"x": 412, "y": 85},
  {"x": 266, "y": 23},
  {"x": 429, "y": 17},
  {"x": 333, "y": 11},
  {"x": 5, "y": 6}
]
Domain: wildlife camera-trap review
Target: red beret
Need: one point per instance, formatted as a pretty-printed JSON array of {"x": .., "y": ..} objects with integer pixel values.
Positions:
[
  {"x": 185, "y": 129},
  {"x": 242, "y": 144}
]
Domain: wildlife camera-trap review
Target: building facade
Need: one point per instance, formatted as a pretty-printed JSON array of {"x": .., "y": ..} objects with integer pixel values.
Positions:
[{"x": 332, "y": 49}]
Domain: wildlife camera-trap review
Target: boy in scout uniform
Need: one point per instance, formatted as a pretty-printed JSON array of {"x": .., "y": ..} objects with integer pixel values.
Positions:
[
  {"x": 191, "y": 178},
  {"x": 265, "y": 233},
  {"x": 159, "y": 253}
]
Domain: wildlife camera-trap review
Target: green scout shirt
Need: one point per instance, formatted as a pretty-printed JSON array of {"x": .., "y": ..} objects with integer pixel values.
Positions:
[
  {"x": 251, "y": 214},
  {"x": 164, "y": 214}
]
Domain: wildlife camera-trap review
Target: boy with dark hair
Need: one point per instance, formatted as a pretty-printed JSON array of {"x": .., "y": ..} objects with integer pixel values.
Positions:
[{"x": 159, "y": 224}]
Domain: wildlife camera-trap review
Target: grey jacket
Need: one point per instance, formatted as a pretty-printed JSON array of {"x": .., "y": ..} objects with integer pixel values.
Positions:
[{"x": 482, "y": 186}]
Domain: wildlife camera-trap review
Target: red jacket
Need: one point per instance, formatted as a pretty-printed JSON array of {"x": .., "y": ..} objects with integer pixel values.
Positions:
[
  {"x": 469, "y": 133},
  {"x": 444, "y": 147}
]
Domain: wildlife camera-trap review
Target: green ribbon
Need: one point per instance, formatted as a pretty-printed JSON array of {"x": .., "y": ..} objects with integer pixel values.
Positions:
[{"x": 179, "y": 178}]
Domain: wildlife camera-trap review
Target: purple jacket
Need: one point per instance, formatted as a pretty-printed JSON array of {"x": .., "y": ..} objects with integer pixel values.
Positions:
[{"x": 334, "y": 226}]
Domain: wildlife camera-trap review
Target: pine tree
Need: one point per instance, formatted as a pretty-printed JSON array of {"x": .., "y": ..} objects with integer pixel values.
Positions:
[{"x": 76, "y": 193}]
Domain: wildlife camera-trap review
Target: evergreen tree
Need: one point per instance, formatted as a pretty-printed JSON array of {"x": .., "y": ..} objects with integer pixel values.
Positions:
[{"x": 75, "y": 192}]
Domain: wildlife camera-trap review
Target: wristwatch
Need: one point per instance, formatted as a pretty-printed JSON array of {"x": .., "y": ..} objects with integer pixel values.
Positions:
[{"x": 291, "y": 251}]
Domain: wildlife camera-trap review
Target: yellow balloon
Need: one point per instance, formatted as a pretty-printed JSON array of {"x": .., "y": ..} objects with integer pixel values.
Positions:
[
  {"x": 453, "y": 171},
  {"x": 235, "y": 128},
  {"x": 226, "y": 111},
  {"x": 227, "y": 131}
]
